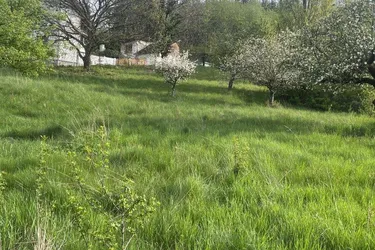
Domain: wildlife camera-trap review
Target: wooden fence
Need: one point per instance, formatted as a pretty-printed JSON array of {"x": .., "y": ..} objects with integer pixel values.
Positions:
[{"x": 131, "y": 61}]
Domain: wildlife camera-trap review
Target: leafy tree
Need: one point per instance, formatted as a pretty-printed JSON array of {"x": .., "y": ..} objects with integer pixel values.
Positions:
[
  {"x": 235, "y": 65},
  {"x": 141, "y": 18},
  {"x": 169, "y": 20},
  {"x": 268, "y": 62},
  {"x": 22, "y": 34},
  {"x": 228, "y": 23},
  {"x": 157, "y": 21},
  {"x": 193, "y": 32},
  {"x": 294, "y": 14}
]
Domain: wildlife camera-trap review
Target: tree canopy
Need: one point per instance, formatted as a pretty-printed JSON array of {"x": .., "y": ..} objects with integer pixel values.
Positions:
[
  {"x": 86, "y": 24},
  {"x": 337, "y": 49},
  {"x": 22, "y": 37}
]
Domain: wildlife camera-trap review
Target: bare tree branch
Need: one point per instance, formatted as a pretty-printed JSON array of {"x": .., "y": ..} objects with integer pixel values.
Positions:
[{"x": 87, "y": 23}]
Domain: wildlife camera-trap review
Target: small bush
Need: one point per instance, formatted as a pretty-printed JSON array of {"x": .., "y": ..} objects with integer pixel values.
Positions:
[
  {"x": 104, "y": 207},
  {"x": 335, "y": 97}
]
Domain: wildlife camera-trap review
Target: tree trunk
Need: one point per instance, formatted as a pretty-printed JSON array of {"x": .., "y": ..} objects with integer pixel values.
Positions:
[
  {"x": 173, "y": 93},
  {"x": 370, "y": 64},
  {"x": 305, "y": 4},
  {"x": 231, "y": 81},
  {"x": 87, "y": 61},
  {"x": 272, "y": 97}
]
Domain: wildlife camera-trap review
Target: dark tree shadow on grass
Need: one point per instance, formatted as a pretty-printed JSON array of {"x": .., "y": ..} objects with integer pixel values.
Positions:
[
  {"x": 53, "y": 131},
  {"x": 232, "y": 123},
  {"x": 153, "y": 88},
  {"x": 193, "y": 93},
  {"x": 155, "y": 83}
]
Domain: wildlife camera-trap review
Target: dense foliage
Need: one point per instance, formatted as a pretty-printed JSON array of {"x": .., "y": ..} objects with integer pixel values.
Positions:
[
  {"x": 228, "y": 23},
  {"x": 235, "y": 65},
  {"x": 22, "y": 34},
  {"x": 331, "y": 97},
  {"x": 295, "y": 15}
]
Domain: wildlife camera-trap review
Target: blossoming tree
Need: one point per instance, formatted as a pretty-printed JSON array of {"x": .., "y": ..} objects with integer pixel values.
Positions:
[
  {"x": 175, "y": 67},
  {"x": 235, "y": 65},
  {"x": 339, "y": 48},
  {"x": 268, "y": 62},
  {"x": 264, "y": 62},
  {"x": 336, "y": 49}
]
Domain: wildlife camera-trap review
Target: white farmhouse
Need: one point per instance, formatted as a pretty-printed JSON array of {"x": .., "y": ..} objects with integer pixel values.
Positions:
[{"x": 138, "y": 52}]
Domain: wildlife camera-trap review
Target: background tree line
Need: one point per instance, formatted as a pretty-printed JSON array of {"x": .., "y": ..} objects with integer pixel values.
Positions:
[
  {"x": 331, "y": 43},
  {"x": 209, "y": 29}
]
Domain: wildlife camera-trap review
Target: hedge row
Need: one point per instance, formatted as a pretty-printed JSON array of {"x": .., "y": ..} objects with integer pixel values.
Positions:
[{"x": 335, "y": 97}]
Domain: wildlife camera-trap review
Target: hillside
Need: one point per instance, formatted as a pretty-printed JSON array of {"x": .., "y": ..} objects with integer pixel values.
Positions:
[{"x": 228, "y": 171}]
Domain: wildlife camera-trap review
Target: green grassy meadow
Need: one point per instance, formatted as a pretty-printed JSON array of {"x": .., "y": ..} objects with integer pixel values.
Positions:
[{"x": 228, "y": 171}]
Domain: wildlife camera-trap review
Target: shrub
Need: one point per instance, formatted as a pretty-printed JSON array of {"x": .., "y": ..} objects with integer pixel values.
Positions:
[
  {"x": 336, "y": 97},
  {"x": 111, "y": 198},
  {"x": 22, "y": 34},
  {"x": 103, "y": 206}
]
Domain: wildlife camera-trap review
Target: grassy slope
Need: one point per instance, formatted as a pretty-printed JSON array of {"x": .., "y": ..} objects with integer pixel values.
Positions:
[{"x": 305, "y": 178}]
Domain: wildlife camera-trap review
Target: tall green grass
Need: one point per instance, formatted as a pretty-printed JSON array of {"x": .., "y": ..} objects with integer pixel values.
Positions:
[{"x": 229, "y": 171}]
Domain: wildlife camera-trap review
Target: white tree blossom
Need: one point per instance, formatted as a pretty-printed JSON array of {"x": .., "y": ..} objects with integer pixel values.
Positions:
[
  {"x": 338, "y": 48},
  {"x": 235, "y": 65},
  {"x": 264, "y": 62},
  {"x": 268, "y": 62},
  {"x": 175, "y": 67}
]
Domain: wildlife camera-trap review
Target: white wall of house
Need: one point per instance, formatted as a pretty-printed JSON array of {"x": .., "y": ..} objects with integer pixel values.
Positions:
[
  {"x": 68, "y": 56},
  {"x": 102, "y": 60},
  {"x": 130, "y": 49}
]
